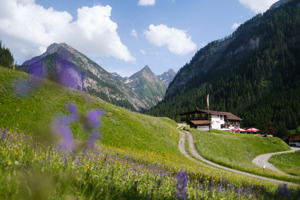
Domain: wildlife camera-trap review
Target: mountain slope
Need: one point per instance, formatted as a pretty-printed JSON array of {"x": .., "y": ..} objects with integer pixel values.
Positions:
[
  {"x": 120, "y": 127},
  {"x": 146, "y": 84},
  {"x": 71, "y": 68},
  {"x": 167, "y": 77},
  {"x": 253, "y": 73}
]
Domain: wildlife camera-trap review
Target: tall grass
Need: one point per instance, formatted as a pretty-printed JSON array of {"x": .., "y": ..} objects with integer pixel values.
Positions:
[{"x": 34, "y": 169}]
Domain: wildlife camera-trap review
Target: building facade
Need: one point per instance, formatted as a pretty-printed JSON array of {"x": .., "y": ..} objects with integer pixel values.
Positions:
[{"x": 218, "y": 120}]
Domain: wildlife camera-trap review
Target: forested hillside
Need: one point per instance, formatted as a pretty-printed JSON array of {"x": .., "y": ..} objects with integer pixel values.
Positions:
[
  {"x": 253, "y": 73},
  {"x": 6, "y": 58}
]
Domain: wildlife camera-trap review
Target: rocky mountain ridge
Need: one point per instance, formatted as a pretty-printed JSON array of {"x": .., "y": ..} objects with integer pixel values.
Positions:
[{"x": 85, "y": 74}]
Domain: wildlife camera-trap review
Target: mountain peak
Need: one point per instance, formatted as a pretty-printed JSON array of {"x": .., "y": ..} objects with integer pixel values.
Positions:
[
  {"x": 54, "y": 47},
  {"x": 147, "y": 69},
  {"x": 146, "y": 72},
  {"x": 171, "y": 71},
  {"x": 147, "y": 85},
  {"x": 168, "y": 76}
]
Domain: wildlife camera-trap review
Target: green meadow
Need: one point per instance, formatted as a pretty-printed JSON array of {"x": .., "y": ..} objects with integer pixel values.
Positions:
[
  {"x": 289, "y": 162},
  {"x": 136, "y": 156},
  {"x": 237, "y": 150}
]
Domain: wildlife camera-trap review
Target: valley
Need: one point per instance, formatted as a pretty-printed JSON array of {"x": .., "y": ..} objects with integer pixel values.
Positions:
[{"x": 69, "y": 129}]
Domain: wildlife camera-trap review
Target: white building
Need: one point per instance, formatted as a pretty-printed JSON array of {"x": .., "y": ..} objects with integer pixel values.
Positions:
[{"x": 218, "y": 120}]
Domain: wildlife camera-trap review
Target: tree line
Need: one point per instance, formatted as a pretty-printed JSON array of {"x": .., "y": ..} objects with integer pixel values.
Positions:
[
  {"x": 263, "y": 88},
  {"x": 6, "y": 58}
]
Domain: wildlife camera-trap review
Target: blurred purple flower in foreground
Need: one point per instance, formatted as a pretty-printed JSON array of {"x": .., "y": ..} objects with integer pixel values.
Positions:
[
  {"x": 92, "y": 139},
  {"x": 37, "y": 70},
  {"x": 69, "y": 76},
  {"x": 64, "y": 72},
  {"x": 73, "y": 110},
  {"x": 61, "y": 126},
  {"x": 93, "y": 117}
]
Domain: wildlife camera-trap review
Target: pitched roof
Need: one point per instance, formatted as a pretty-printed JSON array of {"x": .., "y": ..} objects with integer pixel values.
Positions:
[
  {"x": 228, "y": 115},
  {"x": 200, "y": 122}
]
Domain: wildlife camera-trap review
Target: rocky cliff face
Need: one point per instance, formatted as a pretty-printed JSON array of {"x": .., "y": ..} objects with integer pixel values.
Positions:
[{"x": 71, "y": 68}]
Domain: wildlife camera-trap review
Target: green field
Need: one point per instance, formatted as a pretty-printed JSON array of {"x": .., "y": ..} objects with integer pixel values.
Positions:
[
  {"x": 136, "y": 156},
  {"x": 238, "y": 150},
  {"x": 289, "y": 162}
]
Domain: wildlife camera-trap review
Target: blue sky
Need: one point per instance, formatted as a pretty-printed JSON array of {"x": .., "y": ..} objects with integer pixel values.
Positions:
[{"x": 123, "y": 36}]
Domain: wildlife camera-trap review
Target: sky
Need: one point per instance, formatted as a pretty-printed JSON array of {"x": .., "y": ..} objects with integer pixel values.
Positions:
[{"x": 123, "y": 35}]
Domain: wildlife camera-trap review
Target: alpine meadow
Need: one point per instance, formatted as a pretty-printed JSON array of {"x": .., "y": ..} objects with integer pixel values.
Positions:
[{"x": 103, "y": 108}]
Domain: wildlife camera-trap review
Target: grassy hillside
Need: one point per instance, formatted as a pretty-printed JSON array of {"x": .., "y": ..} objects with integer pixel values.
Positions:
[
  {"x": 237, "y": 150},
  {"x": 120, "y": 127},
  {"x": 137, "y": 156},
  {"x": 289, "y": 162}
]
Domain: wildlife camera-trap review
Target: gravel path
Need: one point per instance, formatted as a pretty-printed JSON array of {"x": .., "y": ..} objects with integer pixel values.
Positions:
[
  {"x": 263, "y": 160},
  {"x": 192, "y": 149}
]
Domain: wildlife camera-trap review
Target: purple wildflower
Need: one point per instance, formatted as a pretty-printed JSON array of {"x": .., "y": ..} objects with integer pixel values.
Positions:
[
  {"x": 69, "y": 76},
  {"x": 181, "y": 185},
  {"x": 61, "y": 126},
  {"x": 92, "y": 139},
  {"x": 4, "y": 133},
  {"x": 93, "y": 117},
  {"x": 283, "y": 191},
  {"x": 159, "y": 182},
  {"x": 73, "y": 110},
  {"x": 38, "y": 71},
  {"x": 200, "y": 186}
]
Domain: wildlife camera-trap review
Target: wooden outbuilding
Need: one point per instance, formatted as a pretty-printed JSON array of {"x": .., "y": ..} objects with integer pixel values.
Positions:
[{"x": 203, "y": 125}]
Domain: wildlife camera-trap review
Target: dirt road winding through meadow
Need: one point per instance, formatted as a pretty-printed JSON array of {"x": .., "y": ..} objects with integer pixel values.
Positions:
[
  {"x": 263, "y": 160},
  {"x": 208, "y": 163}
]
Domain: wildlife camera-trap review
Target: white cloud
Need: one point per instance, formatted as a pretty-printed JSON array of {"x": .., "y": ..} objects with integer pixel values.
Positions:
[
  {"x": 146, "y": 2},
  {"x": 133, "y": 33},
  {"x": 27, "y": 29},
  {"x": 235, "y": 25},
  {"x": 177, "y": 41},
  {"x": 142, "y": 51},
  {"x": 258, "y": 6}
]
